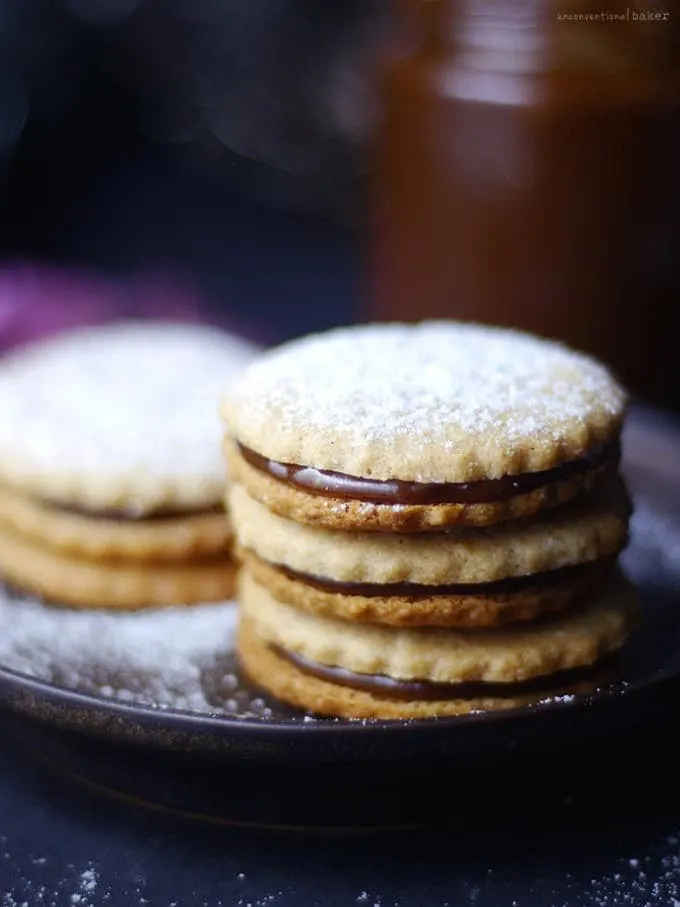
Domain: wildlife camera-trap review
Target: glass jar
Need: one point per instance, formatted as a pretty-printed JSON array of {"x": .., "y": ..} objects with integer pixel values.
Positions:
[{"x": 528, "y": 174}]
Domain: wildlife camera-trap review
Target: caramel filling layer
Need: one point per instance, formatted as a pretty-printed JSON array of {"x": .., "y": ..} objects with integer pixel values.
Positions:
[
  {"x": 428, "y": 690},
  {"x": 124, "y": 515},
  {"x": 397, "y": 492},
  {"x": 507, "y": 586}
]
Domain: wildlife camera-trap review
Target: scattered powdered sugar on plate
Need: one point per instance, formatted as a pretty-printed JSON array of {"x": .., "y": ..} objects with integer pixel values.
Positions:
[
  {"x": 654, "y": 553},
  {"x": 161, "y": 658}
]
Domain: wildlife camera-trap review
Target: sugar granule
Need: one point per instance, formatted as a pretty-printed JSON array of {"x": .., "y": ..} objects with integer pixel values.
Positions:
[{"x": 88, "y": 881}]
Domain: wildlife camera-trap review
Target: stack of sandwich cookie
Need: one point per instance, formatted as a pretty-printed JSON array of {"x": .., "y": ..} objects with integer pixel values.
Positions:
[
  {"x": 429, "y": 519},
  {"x": 111, "y": 478}
]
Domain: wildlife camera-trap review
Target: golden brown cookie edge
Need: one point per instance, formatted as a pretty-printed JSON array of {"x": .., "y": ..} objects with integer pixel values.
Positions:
[
  {"x": 126, "y": 586},
  {"x": 93, "y": 536},
  {"x": 285, "y": 682},
  {"x": 464, "y": 611},
  {"x": 346, "y": 514},
  {"x": 572, "y": 639}
]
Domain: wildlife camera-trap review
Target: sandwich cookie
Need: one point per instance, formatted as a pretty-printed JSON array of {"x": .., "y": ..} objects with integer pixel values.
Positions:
[
  {"x": 429, "y": 519},
  {"x": 111, "y": 479},
  {"x": 335, "y": 667},
  {"x": 464, "y": 578},
  {"x": 412, "y": 428}
]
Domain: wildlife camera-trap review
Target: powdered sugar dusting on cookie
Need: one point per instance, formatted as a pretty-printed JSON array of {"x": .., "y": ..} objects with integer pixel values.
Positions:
[
  {"x": 117, "y": 412},
  {"x": 440, "y": 401}
]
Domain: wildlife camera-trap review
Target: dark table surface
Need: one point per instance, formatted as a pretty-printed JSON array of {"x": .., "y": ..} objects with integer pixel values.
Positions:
[{"x": 593, "y": 841}]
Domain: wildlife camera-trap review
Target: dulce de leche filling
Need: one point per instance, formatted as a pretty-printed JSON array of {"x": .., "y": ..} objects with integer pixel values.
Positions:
[
  {"x": 127, "y": 515},
  {"x": 397, "y": 492},
  {"x": 429, "y": 690}
]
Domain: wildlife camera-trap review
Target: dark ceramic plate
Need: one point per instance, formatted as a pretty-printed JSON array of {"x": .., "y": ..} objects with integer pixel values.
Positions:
[{"x": 151, "y": 751}]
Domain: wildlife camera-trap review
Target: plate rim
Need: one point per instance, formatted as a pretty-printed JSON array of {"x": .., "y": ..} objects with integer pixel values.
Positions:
[{"x": 209, "y": 723}]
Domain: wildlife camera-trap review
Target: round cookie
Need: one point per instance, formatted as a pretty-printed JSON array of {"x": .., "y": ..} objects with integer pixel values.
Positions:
[
  {"x": 128, "y": 586},
  {"x": 566, "y": 641},
  {"x": 333, "y": 512},
  {"x": 120, "y": 417},
  {"x": 426, "y": 606},
  {"x": 417, "y": 427},
  {"x": 170, "y": 537},
  {"x": 283, "y": 680},
  {"x": 585, "y": 531}
]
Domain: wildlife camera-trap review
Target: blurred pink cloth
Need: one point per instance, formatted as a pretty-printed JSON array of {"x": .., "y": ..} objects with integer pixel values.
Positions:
[{"x": 36, "y": 301}]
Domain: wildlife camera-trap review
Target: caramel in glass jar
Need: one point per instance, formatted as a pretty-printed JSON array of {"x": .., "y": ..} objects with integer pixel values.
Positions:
[{"x": 528, "y": 173}]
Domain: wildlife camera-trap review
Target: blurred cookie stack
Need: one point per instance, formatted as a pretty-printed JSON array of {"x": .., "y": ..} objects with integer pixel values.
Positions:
[
  {"x": 429, "y": 519},
  {"x": 111, "y": 476}
]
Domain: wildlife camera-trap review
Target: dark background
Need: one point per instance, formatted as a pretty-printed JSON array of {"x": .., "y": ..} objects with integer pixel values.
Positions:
[
  {"x": 226, "y": 146},
  {"x": 107, "y": 161}
]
